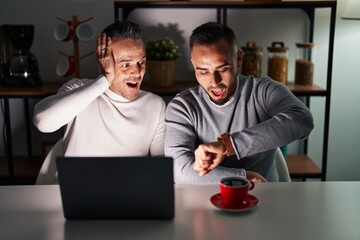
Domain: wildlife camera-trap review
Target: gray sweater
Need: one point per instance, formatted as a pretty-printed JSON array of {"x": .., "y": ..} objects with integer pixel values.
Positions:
[{"x": 261, "y": 116}]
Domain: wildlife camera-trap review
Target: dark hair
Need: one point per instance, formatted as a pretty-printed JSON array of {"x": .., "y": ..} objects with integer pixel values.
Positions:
[
  {"x": 212, "y": 32},
  {"x": 123, "y": 29}
]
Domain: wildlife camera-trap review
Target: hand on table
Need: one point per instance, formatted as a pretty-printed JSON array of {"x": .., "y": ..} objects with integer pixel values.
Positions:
[{"x": 255, "y": 177}]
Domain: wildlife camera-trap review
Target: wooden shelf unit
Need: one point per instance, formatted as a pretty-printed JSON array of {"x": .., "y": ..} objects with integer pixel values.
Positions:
[
  {"x": 25, "y": 169},
  {"x": 24, "y": 93},
  {"x": 300, "y": 166}
]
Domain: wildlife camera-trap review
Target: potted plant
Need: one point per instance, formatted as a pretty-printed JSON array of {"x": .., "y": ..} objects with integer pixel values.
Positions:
[{"x": 161, "y": 55}]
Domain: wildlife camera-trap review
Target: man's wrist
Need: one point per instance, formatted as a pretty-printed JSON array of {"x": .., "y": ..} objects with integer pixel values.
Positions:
[{"x": 226, "y": 140}]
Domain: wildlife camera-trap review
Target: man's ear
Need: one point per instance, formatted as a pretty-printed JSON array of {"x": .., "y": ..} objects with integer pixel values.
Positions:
[
  {"x": 192, "y": 62},
  {"x": 239, "y": 58}
]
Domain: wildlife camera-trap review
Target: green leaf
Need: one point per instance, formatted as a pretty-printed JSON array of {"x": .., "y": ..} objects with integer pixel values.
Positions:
[{"x": 162, "y": 49}]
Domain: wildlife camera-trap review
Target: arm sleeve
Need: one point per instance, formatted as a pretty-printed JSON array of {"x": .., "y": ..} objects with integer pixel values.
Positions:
[
  {"x": 180, "y": 143},
  {"x": 289, "y": 120},
  {"x": 157, "y": 145},
  {"x": 55, "y": 111}
]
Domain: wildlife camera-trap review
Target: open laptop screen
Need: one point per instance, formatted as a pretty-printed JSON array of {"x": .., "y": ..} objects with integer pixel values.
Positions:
[{"x": 116, "y": 187}]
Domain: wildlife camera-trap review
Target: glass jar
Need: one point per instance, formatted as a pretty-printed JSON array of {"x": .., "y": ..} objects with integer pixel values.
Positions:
[
  {"x": 304, "y": 64},
  {"x": 278, "y": 62},
  {"x": 252, "y": 57}
]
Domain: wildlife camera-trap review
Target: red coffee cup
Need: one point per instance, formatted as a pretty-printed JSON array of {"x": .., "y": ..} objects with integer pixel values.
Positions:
[
  {"x": 85, "y": 32},
  {"x": 64, "y": 31},
  {"x": 65, "y": 66},
  {"x": 234, "y": 190}
]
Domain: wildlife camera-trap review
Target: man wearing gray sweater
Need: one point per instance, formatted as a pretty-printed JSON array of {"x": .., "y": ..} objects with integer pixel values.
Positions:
[{"x": 229, "y": 125}]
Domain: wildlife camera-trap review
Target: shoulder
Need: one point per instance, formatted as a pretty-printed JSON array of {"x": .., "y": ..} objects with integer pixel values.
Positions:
[
  {"x": 251, "y": 81},
  {"x": 261, "y": 86},
  {"x": 189, "y": 96},
  {"x": 187, "y": 103},
  {"x": 148, "y": 98},
  {"x": 190, "y": 92}
]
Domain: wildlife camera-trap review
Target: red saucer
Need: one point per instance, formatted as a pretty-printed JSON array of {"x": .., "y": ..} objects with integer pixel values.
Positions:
[{"x": 249, "y": 203}]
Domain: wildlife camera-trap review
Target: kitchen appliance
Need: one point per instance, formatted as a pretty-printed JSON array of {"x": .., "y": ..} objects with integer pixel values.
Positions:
[{"x": 19, "y": 67}]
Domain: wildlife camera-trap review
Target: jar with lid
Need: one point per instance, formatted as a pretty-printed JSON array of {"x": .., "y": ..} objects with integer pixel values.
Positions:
[
  {"x": 252, "y": 57},
  {"x": 278, "y": 62},
  {"x": 304, "y": 64}
]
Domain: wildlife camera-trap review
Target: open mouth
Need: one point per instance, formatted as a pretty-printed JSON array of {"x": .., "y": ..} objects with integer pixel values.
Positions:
[
  {"x": 217, "y": 92},
  {"x": 133, "y": 85}
]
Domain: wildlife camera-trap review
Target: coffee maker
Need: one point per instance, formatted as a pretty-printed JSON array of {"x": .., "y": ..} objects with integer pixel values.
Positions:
[{"x": 18, "y": 66}]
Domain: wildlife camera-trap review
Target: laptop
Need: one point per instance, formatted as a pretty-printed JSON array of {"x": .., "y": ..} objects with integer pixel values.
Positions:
[{"x": 116, "y": 187}]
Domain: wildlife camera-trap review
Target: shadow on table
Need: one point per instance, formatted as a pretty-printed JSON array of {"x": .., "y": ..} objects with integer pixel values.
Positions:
[{"x": 118, "y": 229}]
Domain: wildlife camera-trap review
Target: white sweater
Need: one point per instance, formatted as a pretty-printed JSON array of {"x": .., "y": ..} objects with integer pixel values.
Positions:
[{"x": 102, "y": 123}]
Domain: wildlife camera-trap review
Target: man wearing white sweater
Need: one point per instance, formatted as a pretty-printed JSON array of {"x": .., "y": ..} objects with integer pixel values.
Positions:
[{"x": 109, "y": 115}]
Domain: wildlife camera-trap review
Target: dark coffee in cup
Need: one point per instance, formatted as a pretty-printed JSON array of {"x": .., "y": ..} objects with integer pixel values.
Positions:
[{"x": 234, "y": 182}]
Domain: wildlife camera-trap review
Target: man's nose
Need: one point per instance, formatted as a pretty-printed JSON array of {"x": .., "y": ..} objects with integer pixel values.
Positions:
[
  {"x": 137, "y": 69},
  {"x": 215, "y": 78}
]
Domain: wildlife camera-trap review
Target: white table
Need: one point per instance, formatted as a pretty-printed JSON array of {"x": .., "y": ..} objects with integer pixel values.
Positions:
[{"x": 298, "y": 210}]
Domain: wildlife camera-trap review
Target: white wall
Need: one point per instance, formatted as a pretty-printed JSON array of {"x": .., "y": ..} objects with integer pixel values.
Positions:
[
  {"x": 344, "y": 144},
  {"x": 343, "y": 158}
]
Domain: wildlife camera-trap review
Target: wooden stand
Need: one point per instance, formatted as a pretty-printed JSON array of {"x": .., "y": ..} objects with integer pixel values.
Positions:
[{"x": 76, "y": 50}]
